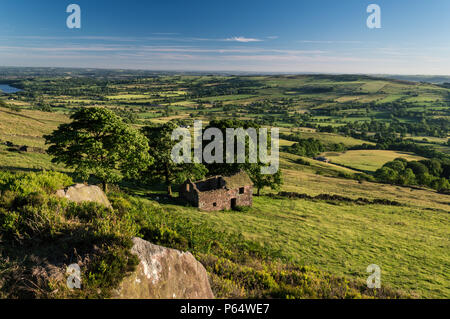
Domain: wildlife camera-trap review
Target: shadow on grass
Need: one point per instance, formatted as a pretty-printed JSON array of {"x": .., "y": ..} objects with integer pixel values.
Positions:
[
  {"x": 20, "y": 169},
  {"x": 156, "y": 192}
]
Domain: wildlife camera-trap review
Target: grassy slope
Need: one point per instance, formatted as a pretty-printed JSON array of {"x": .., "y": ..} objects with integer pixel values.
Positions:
[
  {"x": 409, "y": 242},
  {"x": 312, "y": 184},
  {"x": 27, "y": 127},
  {"x": 345, "y": 239}
]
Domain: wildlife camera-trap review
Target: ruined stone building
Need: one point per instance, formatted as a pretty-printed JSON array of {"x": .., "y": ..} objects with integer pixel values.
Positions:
[{"x": 219, "y": 192}]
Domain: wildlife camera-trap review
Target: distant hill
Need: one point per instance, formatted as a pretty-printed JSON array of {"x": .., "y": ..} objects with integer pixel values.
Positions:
[{"x": 436, "y": 79}]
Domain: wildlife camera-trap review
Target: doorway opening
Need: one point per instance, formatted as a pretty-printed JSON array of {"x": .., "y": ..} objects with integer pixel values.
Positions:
[{"x": 233, "y": 203}]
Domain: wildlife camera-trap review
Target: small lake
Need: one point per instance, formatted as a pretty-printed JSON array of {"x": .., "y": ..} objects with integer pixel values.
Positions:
[{"x": 8, "y": 89}]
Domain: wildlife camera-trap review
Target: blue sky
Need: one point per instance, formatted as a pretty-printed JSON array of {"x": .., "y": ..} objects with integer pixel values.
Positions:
[{"x": 247, "y": 35}]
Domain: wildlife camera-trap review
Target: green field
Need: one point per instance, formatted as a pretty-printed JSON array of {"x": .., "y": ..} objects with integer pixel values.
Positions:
[
  {"x": 278, "y": 96},
  {"x": 330, "y": 137},
  {"x": 368, "y": 160}
]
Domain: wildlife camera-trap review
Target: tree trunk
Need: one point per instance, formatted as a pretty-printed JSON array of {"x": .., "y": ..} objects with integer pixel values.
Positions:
[
  {"x": 258, "y": 193},
  {"x": 105, "y": 187},
  {"x": 169, "y": 186}
]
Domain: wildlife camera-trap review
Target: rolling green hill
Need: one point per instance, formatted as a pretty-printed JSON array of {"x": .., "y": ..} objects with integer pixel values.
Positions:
[{"x": 408, "y": 237}]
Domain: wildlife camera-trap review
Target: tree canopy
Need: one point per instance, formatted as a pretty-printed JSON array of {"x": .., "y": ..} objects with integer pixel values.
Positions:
[
  {"x": 259, "y": 180},
  {"x": 98, "y": 143},
  {"x": 164, "y": 168},
  {"x": 433, "y": 173}
]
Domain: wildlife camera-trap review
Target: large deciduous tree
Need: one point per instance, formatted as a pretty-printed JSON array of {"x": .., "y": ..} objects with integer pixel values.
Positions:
[
  {"x": 98, "y": 143},
  {"x": 274, "y": 181},
  {"x": 164, "y": 168}
]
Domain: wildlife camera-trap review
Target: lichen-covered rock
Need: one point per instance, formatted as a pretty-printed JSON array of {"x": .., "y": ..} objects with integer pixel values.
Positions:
[
  {"x": 164, "y": 273},
  {"x": 84, "y": 193}
]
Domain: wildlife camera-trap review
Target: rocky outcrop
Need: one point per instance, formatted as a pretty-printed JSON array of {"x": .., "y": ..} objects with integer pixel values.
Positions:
[
  {"x": 84, "y": 193},
  {"x": 23, "y": 148},
  {"x": 164, "y": 273}
]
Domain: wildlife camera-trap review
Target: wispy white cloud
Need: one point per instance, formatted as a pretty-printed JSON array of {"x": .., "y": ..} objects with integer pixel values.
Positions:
[
  {"x": 159, "y": 36},
  {"x": 148, "y": 48},
  {"x": 160, "y": 51},
  {"x": 329, "y": 42},
  {"x": 243, "y": 39}
]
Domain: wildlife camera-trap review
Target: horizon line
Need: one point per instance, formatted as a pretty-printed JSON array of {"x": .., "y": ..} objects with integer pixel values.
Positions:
[{"x": 225, "y": 71}]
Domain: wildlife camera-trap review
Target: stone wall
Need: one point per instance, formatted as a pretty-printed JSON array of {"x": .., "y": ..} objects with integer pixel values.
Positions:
[
  {"x": 215, "y": 193},
  {"x": 210, "y": 184},
  {"x": 22, "y": 148},
  {"x": 223, "y": 199},
  {"x": 188, "y": 192}
]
